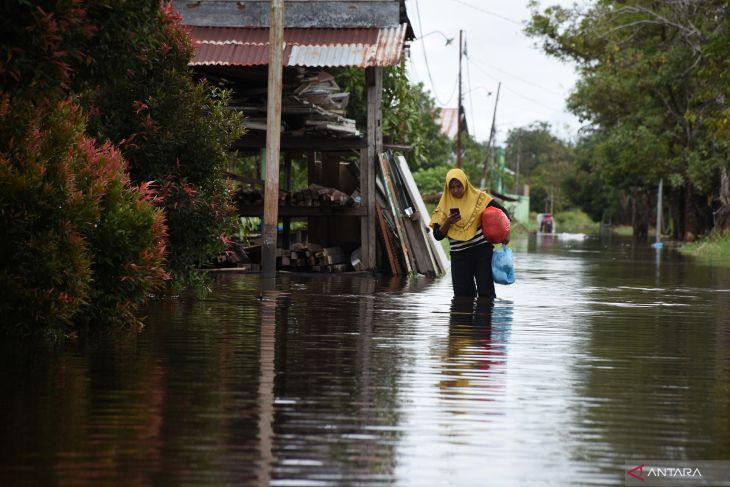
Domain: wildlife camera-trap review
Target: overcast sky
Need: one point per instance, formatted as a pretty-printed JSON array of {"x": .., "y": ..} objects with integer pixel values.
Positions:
[{"x": 534, "y": 86}]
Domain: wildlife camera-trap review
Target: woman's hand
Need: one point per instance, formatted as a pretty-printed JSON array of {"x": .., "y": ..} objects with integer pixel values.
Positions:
[{"x": 451, "y": 219}]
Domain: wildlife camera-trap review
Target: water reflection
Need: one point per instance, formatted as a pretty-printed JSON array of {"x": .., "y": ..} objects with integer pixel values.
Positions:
[
  {"x": 601, "y": 351},
  {"x": 267, "y": 356},
  {"x": 475, "y": 342}
]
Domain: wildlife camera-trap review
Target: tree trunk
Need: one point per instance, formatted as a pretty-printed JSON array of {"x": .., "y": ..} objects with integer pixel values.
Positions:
[
  {"x": 722, "y": 216},
  {"x": 676, "y": 209},
  {"x": 640, "y": 214},
  {"x": 691, "y": 213}
]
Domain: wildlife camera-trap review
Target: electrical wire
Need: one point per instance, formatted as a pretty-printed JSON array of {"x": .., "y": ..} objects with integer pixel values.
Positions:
[
  {"x": 471, "y": 100},
  {"x": 514, "y": 92},
  {"x": 487, "y": 66},
  {"x": 425, "y": 58},
  {"x": 488, "y": 12}
]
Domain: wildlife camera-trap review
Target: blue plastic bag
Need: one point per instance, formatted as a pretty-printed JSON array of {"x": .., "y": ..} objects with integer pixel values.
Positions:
[{"x": 503, "y": 268}]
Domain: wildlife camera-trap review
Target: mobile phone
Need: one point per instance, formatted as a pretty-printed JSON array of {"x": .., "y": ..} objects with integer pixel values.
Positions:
[{"x": 455, "y": 210}]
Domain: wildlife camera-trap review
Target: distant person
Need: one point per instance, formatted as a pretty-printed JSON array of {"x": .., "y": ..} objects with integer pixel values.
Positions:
[
  {"x": 547, "y": 223},
  {"x": 458, "y": 217}
]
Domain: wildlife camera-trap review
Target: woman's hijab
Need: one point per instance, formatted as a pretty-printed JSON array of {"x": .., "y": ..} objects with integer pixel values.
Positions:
[{"x": 470, "y": 205}]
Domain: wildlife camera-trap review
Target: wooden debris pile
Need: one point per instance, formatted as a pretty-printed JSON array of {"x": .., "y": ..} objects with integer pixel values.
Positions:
[
  {"x": 248, "y": 197},
  {"x": 405, "y": 243},
  {"x": 314, "y": 104},
  {"x": 402, "y": 222},
  {"x": 316, "y": 195},
  {"x": 313, "y": 196},
  {"x": 312, "y": 257}
]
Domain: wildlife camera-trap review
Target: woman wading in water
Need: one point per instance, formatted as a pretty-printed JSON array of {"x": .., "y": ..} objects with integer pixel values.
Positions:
[{"x": 458, "y": 216}]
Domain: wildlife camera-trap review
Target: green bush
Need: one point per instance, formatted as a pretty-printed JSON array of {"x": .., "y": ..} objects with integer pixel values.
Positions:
[
  {"x": 171, "y": 129},
  {"x": 575, "y": 221},
  {"x": 128, "y": 243},
  {"x": 715, "y": 248},
  {"x": 431, "y": 180},
  {"x": 78, "y": 242}
]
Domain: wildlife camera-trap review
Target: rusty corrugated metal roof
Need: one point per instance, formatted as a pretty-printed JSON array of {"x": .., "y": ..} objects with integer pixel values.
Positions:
[{"x": 241, "y": 46}]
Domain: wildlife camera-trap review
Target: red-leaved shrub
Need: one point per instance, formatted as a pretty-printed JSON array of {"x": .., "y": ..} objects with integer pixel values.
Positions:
[{"x": 78, "y": 242}]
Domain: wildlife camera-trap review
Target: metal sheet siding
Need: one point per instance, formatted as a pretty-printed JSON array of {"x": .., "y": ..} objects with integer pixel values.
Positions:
[
  {"x": 390, "y": 45},
  {"x": 230, "y": 55},
  {"x": 242, "y": 35},
  {"x": 239, "y": 46},
  {"x": 341, "y": 55}
]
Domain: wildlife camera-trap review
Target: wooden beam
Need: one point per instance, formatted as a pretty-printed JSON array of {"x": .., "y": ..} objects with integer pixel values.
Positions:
[
  {"x": 374, "y": 86},
  {"x": 273, "y": 134},
  {"x": 391, "y": 194},
  {"x": 314, "y": 143},
  {"x": 286, "y": 236},
  {"x": 387, "y": 242},
  {"x": 304, "y": 211}
]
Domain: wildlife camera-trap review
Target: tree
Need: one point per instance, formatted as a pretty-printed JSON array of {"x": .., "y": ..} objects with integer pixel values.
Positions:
[
  {"x": 87, "y": 91},
  {"x": 641, "y": 85},
  {"x": 408, "y": 114},
  {"x": 171, "y": 129},
  {"x": 544, "y": 163}
]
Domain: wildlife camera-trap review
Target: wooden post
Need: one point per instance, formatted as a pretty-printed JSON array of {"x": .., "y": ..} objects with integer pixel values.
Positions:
[
  {"x": 374, "y": 86},
  {"x": 458, "y": 109},
  {"x": 287, "y": 187},
  {"x": 492, "y": 132},
  {"x": 273, "y": 139}
]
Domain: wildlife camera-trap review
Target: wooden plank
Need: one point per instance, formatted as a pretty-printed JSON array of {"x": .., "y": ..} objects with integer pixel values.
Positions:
[
  {"x": 286, "y": 236},
  {"x": 416, "y": 243},
  {"x": 385, "y": 231},
  {"x": 374, "y": 86},
  {"x": 273, "y": 132},
  {"x": 242, "y": 268},
  {"x": 255, "y": 141},
  {"x": 438, "y": 251},
  {"x": 392, "y": 202},
  {"x": 419, "y": 248},
  {"x": 305, "y": 211}
]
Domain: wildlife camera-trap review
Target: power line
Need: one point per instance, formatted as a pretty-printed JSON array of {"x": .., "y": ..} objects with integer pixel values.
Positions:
[
  {"x": 416, "y": 74},
  {"x": 488, "y": 66},
  {"x": 537, "y": 102},
  {"x": 425, "y": 58},
  {"x": 533, "y": 100},
  {"x": 471, "y": 101},
  {"x": 488, "y": 12}
]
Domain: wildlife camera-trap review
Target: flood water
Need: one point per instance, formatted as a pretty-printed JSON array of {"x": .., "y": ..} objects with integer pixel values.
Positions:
[{"x": 603, "y": 351}]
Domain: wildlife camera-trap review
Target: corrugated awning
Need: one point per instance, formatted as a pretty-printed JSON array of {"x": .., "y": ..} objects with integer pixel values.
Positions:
[{"x": 243, "y": 46}]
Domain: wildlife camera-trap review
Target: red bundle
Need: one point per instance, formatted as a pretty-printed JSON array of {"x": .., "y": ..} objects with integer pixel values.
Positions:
[{"x": 495, "y": 225}]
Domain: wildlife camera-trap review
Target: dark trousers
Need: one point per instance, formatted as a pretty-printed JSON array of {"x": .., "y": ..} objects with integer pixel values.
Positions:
[{"x": 471, "y": 272}]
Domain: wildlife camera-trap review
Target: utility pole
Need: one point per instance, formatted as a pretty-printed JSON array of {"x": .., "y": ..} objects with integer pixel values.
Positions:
[
  {"x": 519, "y": 158},
  {"x": 459, "y": 110},
  {"x": 658, "y": 242},
  {"x": 273, "y": 140},
  {"x": 552, "y": 200},
  {"x": 483, "y": 182}
]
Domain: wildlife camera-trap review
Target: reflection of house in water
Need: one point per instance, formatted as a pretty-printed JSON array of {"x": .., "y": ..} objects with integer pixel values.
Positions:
[{"x": 330, "y": 185}]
